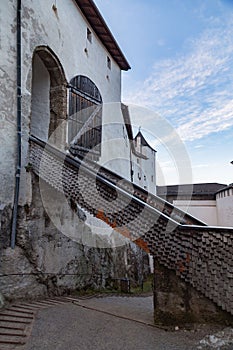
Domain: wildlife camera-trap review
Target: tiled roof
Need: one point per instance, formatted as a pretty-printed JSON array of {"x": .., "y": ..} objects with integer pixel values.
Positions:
[
  {"x": 201, "y": 189},
  {"x": 94, "y": 17},
  {"x": 225, "y": 188},
  {"x": 143, "y": 141}
]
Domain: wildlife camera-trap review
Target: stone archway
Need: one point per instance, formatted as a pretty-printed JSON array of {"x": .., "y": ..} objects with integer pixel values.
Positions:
[
  {"x": 48, "y": 111},
  {"x": 49, "y": 94}
]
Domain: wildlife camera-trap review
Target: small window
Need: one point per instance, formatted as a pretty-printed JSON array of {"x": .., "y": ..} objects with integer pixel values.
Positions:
[
  {"x": 144, "y": 177},
  {"x": 109, "y": 63},
  {"x": 152, "y": 178},
  {"x": 89, "y": 35},
  {"x": 137, "y": 160}
]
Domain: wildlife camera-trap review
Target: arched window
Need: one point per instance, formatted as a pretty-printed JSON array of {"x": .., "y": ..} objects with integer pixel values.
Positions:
[{"x": 85, "y": 118}]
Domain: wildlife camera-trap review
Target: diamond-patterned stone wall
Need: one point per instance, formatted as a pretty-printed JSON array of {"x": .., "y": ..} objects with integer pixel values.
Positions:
[{"x": 199, "y": 254}]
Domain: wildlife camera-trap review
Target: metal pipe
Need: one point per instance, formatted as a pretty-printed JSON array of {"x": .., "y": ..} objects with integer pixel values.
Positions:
[{"x": 19, "y": 133}]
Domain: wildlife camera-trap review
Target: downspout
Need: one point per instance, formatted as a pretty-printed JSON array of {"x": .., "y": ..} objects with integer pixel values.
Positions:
[{"x": 18, "y": 167}]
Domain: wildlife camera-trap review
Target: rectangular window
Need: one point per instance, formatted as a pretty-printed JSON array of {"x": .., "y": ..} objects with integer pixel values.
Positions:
[
  {"x": 109, "y": 63},
  {"x": 89, "y": 35}
]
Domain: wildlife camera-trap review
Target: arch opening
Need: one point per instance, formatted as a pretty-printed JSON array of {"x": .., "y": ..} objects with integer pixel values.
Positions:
[{"x": 49, "y": 94}]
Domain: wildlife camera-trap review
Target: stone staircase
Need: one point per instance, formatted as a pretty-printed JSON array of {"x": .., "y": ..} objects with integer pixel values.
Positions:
[
  {"x": 200, "y": 255},
  {"x": 17, "y": 319}
]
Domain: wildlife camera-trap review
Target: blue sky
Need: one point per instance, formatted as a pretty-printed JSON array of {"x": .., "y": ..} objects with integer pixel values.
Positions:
[{"x": 181, "y": 53}]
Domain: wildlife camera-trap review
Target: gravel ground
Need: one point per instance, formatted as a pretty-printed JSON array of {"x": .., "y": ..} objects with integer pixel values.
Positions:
[{"x": 109, "y": 323}]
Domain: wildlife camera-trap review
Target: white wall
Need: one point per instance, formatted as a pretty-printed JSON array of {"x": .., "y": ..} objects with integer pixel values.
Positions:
[
  {"x": 117, "y": 154},
  {"x": 144, "y": 172},
  {"x": 203, "y": 210},
  {"x": 115, "y": 143},
  {"x": 217, "y": 212},
  {"x": 225, "y": 208},
  {"x": 64, "y": 31}
]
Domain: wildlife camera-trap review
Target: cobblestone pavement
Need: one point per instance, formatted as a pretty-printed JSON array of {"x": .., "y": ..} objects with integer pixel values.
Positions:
[{"x": 111, "y": 323}]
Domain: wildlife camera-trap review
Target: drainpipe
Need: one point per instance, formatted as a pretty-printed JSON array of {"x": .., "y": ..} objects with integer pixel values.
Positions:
[{"x": 18, "y": 168}]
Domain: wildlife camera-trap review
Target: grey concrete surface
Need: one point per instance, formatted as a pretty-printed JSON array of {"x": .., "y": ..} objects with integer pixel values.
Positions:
[
  {"x": 135, "y": 308},
  {"x": 88, "y": 325}
]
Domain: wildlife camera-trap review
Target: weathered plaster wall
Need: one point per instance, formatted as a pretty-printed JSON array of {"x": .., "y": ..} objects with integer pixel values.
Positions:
[
  {"x": 45, "y": 260},
  {"x": 64, "y": 31},
  {"x": 5, "y": 225},
  {"x": 7, "y": 100}
]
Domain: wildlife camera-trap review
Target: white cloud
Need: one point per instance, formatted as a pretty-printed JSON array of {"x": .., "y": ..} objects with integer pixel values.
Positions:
[
  {"x": 194, "y": 92},
  {"x": 200, "y": 166},
  {"x": 198, "y": 146}
]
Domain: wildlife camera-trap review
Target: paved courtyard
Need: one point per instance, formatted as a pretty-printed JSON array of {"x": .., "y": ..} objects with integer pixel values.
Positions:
[{"x": 111, "y": 323}]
